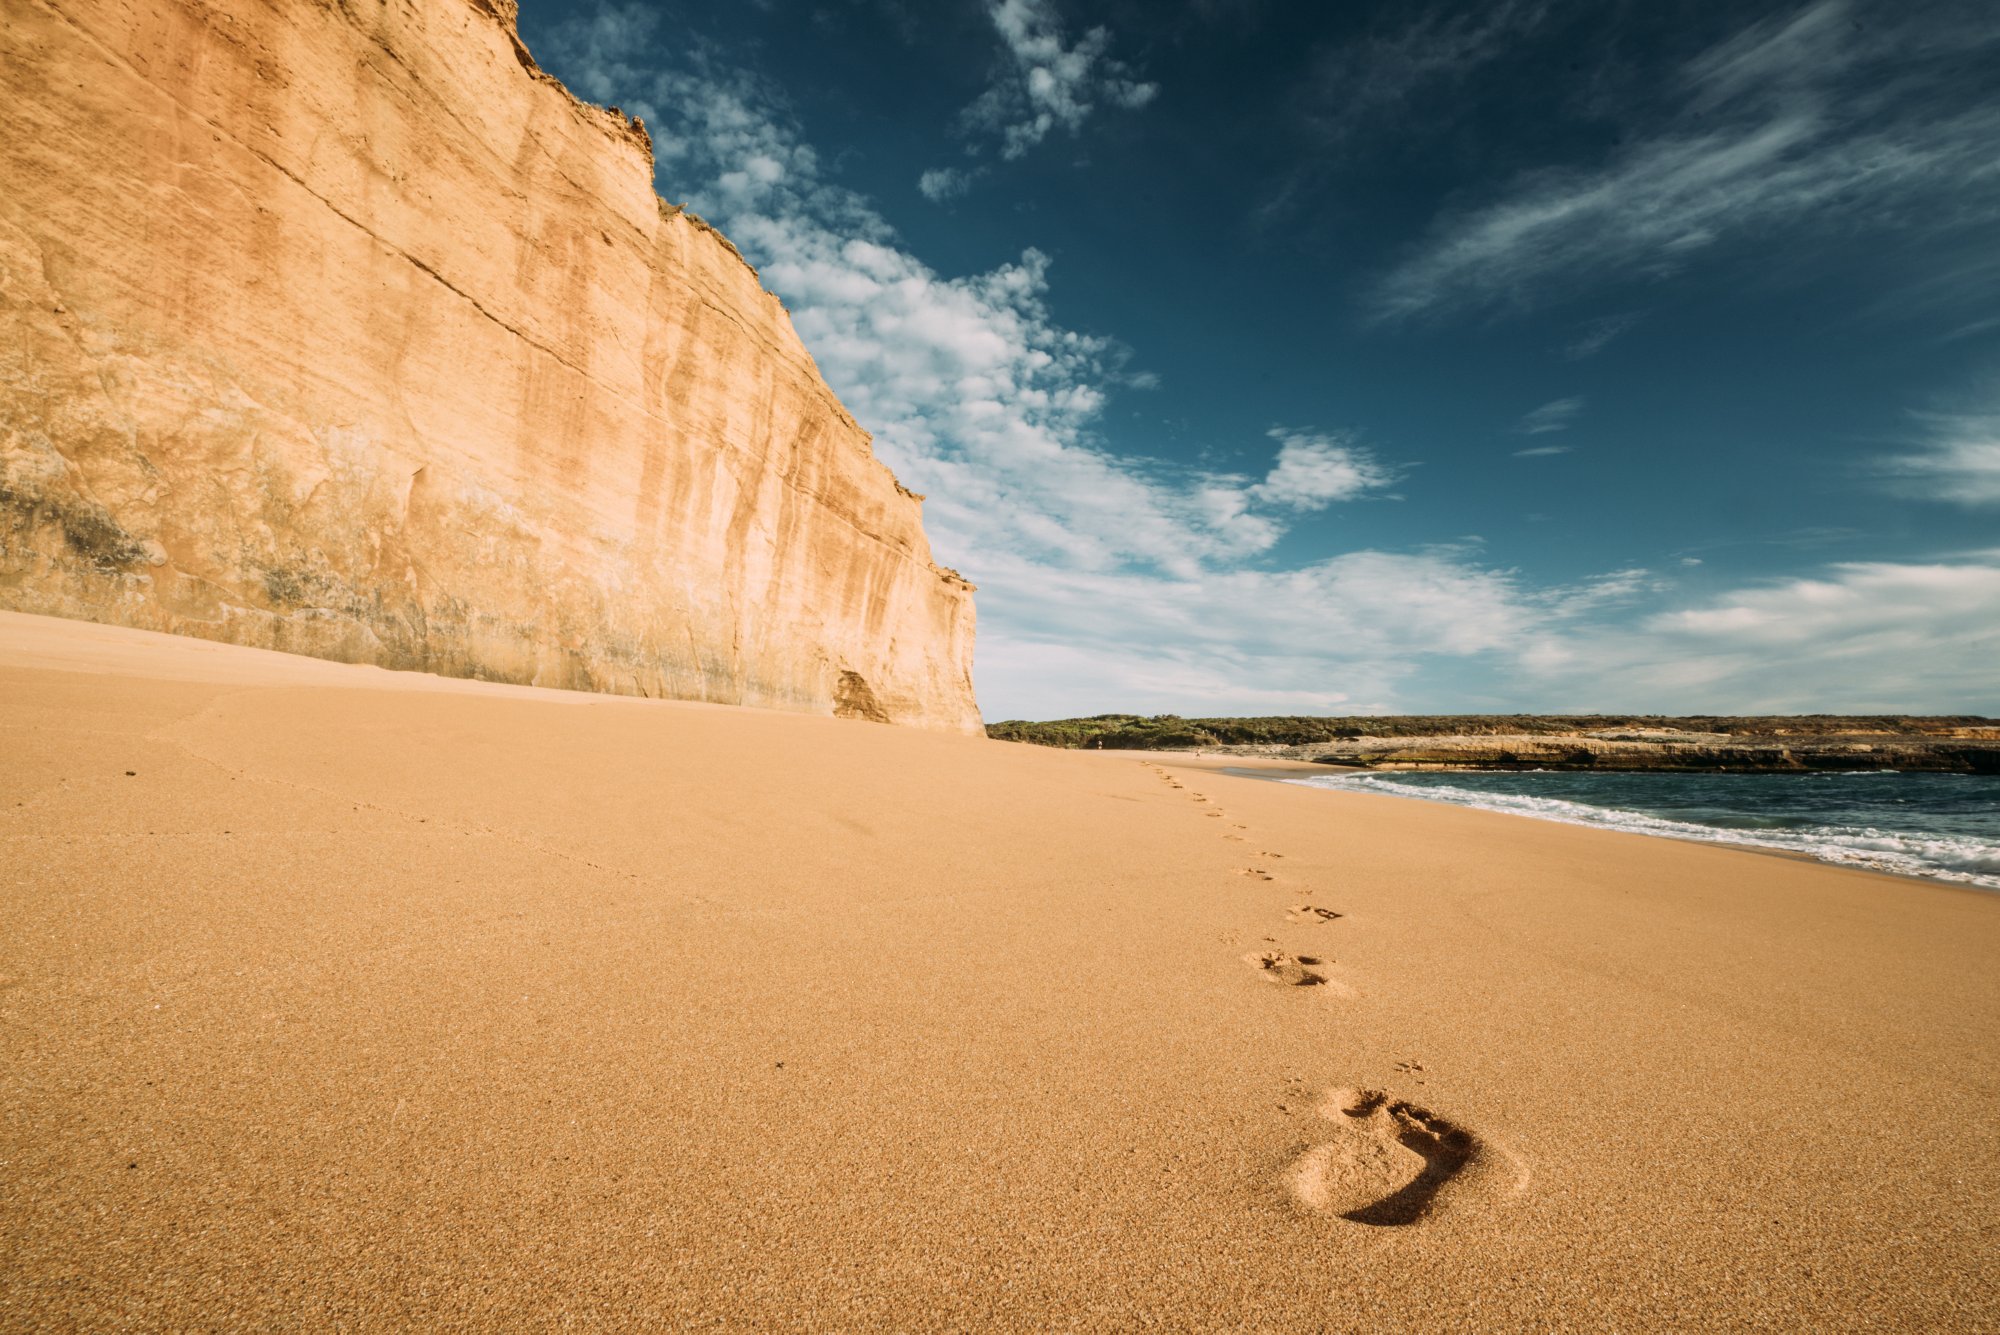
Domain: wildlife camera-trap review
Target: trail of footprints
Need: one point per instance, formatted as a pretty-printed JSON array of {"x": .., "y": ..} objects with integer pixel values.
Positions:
[
  {"x": 1273, "y": 966},
  {"x": 1378, "y": 1160}
]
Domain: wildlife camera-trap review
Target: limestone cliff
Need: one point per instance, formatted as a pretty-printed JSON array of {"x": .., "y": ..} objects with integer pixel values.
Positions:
[{"x": 341, "y": 328}]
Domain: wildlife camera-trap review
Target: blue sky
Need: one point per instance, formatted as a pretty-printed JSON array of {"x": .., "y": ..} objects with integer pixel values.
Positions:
[{"x": 1269, "y": 358}]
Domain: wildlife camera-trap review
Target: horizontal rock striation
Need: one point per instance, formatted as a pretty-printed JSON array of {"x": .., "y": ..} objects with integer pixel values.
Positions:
[{"x": 343, "y": 329}]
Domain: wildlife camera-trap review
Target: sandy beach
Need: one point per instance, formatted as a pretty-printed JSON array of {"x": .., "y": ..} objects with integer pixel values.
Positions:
[{"x": 332, "y": 997}]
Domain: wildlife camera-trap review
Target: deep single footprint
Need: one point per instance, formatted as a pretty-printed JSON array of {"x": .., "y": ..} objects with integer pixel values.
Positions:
[
  {"x": 1275, "y": 966},
  {"x": 1391, "y": 1163},
  {"x": 1310, "y": 913}
]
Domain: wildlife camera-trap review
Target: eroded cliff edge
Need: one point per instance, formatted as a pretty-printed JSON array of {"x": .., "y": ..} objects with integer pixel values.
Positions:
[{"x": 342, "y": 329}]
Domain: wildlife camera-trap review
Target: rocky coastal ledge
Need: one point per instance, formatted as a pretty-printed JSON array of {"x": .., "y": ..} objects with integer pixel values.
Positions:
[{"x": 1958, "y": 744}]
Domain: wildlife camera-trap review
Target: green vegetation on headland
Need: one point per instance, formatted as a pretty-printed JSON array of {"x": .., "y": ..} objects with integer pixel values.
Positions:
[{"x": 1966, "y": 743}]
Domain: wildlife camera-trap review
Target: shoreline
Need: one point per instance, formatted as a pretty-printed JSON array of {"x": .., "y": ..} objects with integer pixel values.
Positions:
[
  {"x": 1291, "y": 772},
  {"x": 472, "y": 1008},
  {"x": 1290, "y": 776}
]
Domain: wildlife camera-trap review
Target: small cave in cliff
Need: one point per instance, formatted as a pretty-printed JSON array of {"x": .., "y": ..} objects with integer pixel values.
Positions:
[{"x": 853, "y": 698}]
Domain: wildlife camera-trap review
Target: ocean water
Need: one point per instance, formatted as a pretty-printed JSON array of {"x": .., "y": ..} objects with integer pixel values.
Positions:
[{"x": 1945, "y": 826}]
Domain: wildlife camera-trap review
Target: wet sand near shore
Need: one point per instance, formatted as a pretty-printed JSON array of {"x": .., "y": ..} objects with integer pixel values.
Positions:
[{"x": 330, "y": 996}]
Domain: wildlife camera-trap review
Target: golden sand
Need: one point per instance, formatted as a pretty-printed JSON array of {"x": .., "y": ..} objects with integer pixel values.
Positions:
[{"x": 332, "y": 997}]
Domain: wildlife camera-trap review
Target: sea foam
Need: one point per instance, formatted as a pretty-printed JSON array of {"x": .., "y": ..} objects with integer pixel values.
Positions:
[{"x": 1963, "y": 859}]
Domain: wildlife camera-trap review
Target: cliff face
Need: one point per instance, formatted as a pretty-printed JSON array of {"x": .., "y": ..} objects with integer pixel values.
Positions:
[{"x": 340, "y": 328}]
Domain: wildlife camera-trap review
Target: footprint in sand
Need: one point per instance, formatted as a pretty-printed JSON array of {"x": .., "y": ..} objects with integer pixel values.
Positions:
[
  {"x": 1275, "y": 966},
  {"x": 1391, "y": 1163},
  {"x": 1310, "y": 913},
  {"x": 1257, "y": 872}
]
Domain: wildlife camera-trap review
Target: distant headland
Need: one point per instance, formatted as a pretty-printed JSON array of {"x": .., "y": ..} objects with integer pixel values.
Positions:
[{"x": 1958, "y": 743}]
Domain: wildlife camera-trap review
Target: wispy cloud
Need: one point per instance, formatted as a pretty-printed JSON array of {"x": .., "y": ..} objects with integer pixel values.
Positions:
[
  {"x": 1796, "y": 122},
  {"x": 1045, "y": 83},
  {"x": 1957, "y": 459},
  {"x": 1542, "y": 451},
  {"x": 1594, "y": 336},
  {"x": 1356, "y": 86},
  {"x": 1845, "y": 641},
  {"x": 1555, "y": 415},
  {"x": 1372, "y": 90}
]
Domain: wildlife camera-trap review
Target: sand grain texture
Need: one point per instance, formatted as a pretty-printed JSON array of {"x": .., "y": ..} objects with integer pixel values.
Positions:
[{"x": 378, "y": 1001}]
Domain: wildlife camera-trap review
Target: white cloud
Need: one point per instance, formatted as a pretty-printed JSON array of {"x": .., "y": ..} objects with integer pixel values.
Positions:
[
  {"x": 1864, "y": 637},
  {"x": 1959, "y": 460},
  {"x": 1356, "y": 635},
  {"x": 1965, "y": 471},
  {"x": 1346, "y": 634},
  {"x": 1796, "y": 123},
  {"x": 941, "y": 185},
  {"x": 1553, "y": 416},
  {"x": 1542, "y": 451},
  {"x": 1045, "y": 84},
  {"x": 1313, "y": 471},
  {"x": 1614, "y": 588}
]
